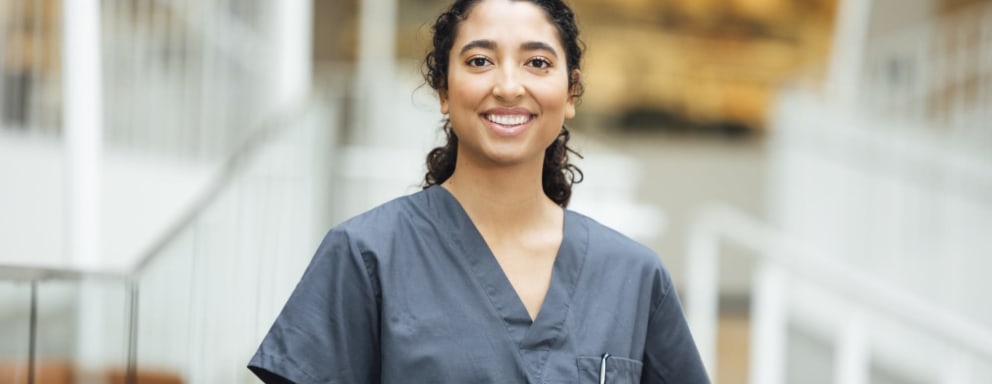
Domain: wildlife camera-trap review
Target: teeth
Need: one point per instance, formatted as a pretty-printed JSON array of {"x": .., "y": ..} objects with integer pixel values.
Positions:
[{"x": 508, "y": 119}]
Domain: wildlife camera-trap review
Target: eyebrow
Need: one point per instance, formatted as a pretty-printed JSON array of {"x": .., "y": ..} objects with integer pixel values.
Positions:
[
  {"x": 491, "y": 45},
  {"x": 539, "y": 46},
  {"x": 484, "y": 44}
]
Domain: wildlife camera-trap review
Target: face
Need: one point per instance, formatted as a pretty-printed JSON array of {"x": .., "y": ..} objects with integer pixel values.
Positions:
[{"x": 508, "y": 92}]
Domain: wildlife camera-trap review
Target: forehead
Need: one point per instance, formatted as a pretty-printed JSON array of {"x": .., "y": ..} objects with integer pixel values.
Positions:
[{"x": 509, "y": 21}]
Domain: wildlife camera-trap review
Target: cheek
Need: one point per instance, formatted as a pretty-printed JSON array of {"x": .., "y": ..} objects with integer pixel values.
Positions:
[
  {"x": 466, "y": 90},
  {"x": 553, "y": 96}
]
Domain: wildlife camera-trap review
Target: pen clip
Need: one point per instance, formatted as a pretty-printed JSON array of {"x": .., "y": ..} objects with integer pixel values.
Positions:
[{"x": 602, "y": 368}]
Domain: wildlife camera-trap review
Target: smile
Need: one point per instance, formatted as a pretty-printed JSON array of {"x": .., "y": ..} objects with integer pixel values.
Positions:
[{"x": 508, "y": 120}]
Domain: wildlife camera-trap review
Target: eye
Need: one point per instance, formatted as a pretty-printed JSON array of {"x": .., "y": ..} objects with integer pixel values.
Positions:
[
  {"x": 477, "y": 61},
  {"x": 539, "y": 63}
]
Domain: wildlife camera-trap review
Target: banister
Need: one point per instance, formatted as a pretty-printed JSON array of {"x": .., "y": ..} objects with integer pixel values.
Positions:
[
  {"x": 230, "y": 167},
  {"x": 29, "y": 273},
  {"x": 721, "y": 221}
]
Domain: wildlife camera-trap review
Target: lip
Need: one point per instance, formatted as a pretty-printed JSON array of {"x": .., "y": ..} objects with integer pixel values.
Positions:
[{"x": 507, "y": 130}]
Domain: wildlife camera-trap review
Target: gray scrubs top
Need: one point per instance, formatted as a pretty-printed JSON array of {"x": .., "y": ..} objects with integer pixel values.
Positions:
[{"x": 409, "y": 292}]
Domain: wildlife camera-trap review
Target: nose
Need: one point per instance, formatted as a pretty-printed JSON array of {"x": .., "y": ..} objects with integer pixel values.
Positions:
[{"x": 508, "y": 86}]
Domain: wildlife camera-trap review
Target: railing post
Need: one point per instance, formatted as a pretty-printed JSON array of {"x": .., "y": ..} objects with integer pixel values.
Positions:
[
  {"x": 82, "y": 120},
  {"x": 852, "y": 357},
  {"x": 82, "y": 130},
  {"x": 375, "y": 72},
  {"x": 702, "y": 295},
  {"x": 291, "y": 72},
  {"x": 32, "y": 331},
  {"x": 768, "y": 325},
  {"x": 847, "y": 53},
  {"x": 131, "y": 375}
]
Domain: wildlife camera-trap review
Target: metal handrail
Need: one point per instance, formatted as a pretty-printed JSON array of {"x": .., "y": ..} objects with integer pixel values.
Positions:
[
  {"x": 232, "y": 165},
  {"x": 230, "y": 168},
  {"x": 12, "y": 272}
]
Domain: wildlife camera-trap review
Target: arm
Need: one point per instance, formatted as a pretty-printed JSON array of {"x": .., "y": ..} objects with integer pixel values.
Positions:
[
  {"x": 670, "y": 354},
  {"x": 328, "y": 331}
]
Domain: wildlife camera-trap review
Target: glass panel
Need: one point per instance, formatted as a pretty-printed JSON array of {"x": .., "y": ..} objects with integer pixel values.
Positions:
[
  {"x": 167, "y": 294},
  {"x": 62, "y": 308},
  {"x": 57, "y": 330},
  {"x": 92, "y": 322},
  {"x": 15, "y": 303}
]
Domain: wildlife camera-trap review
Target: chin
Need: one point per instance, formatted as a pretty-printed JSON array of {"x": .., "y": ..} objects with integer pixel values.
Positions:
[{"x": 512, "y": 158}]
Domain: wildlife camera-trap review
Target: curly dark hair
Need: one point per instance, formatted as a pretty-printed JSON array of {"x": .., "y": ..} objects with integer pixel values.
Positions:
[{"x": 558, "y": 174}]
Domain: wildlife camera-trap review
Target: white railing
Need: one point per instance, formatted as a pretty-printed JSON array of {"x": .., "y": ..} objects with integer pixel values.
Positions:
[
  {"x": 865, "y": 303},
  {"x": 881, "y": 215},
  {"x": 183, "y": 82},
  {"x": 210, "y": 290},
  {"x": 198, "y": 300}
]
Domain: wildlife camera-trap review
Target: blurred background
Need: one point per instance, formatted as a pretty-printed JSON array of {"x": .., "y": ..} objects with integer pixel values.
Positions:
[{"x": 816, "y": 174}]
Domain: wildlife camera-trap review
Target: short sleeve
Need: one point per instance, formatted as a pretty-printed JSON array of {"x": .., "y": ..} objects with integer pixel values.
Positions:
[
  {"x": 328, "y": 331},
  {"x": 670, "y": 354}
]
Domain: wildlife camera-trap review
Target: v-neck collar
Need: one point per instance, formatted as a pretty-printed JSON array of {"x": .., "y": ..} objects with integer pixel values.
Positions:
[{"x": 532, "y": 338}]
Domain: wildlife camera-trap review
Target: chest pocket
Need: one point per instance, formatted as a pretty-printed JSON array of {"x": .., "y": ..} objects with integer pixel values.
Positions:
[{"x": 619, "y": 370}]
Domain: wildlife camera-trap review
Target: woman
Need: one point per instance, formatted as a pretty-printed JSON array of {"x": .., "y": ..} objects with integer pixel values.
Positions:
[{"x": 484, "y": 277}]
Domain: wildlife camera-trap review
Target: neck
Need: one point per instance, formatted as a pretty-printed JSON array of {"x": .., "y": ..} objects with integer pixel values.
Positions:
[{"x": 502, "y": 198}]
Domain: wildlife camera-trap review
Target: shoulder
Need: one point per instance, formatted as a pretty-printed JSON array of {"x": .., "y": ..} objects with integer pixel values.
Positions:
[
  {"x": 613, "y": 253},
  {"x": 384, "y": 223},
  {"x": 608, "y": 242},
  {"x": 385, "y": 217}
]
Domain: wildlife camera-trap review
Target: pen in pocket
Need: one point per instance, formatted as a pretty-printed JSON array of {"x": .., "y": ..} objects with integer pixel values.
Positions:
[{"x": 602, "y": 368}]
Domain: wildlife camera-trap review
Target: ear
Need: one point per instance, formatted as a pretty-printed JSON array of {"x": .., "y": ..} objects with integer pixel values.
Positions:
[
  {"x": 443, "y": 95},
  {"x": 572, "y": 94}
]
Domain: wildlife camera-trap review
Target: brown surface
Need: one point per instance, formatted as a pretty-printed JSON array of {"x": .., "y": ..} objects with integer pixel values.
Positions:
[
  {"x": 953, "y": 5},
  {"x": 64, "y": 372},
  {"x": 733, "y": 344},
  {"x": 145, "y": 377},
  {"x": 47, "y": 372}
]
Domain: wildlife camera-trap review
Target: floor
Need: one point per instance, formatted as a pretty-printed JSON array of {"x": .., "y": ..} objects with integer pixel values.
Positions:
[{"x": 733, "y": 343}]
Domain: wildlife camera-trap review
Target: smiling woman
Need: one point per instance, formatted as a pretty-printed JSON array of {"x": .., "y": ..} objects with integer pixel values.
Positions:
[
  {"x": 508, "y": 93},
  {"x": 557, "y": 54},
  {"x": 484, "y": 276}
]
